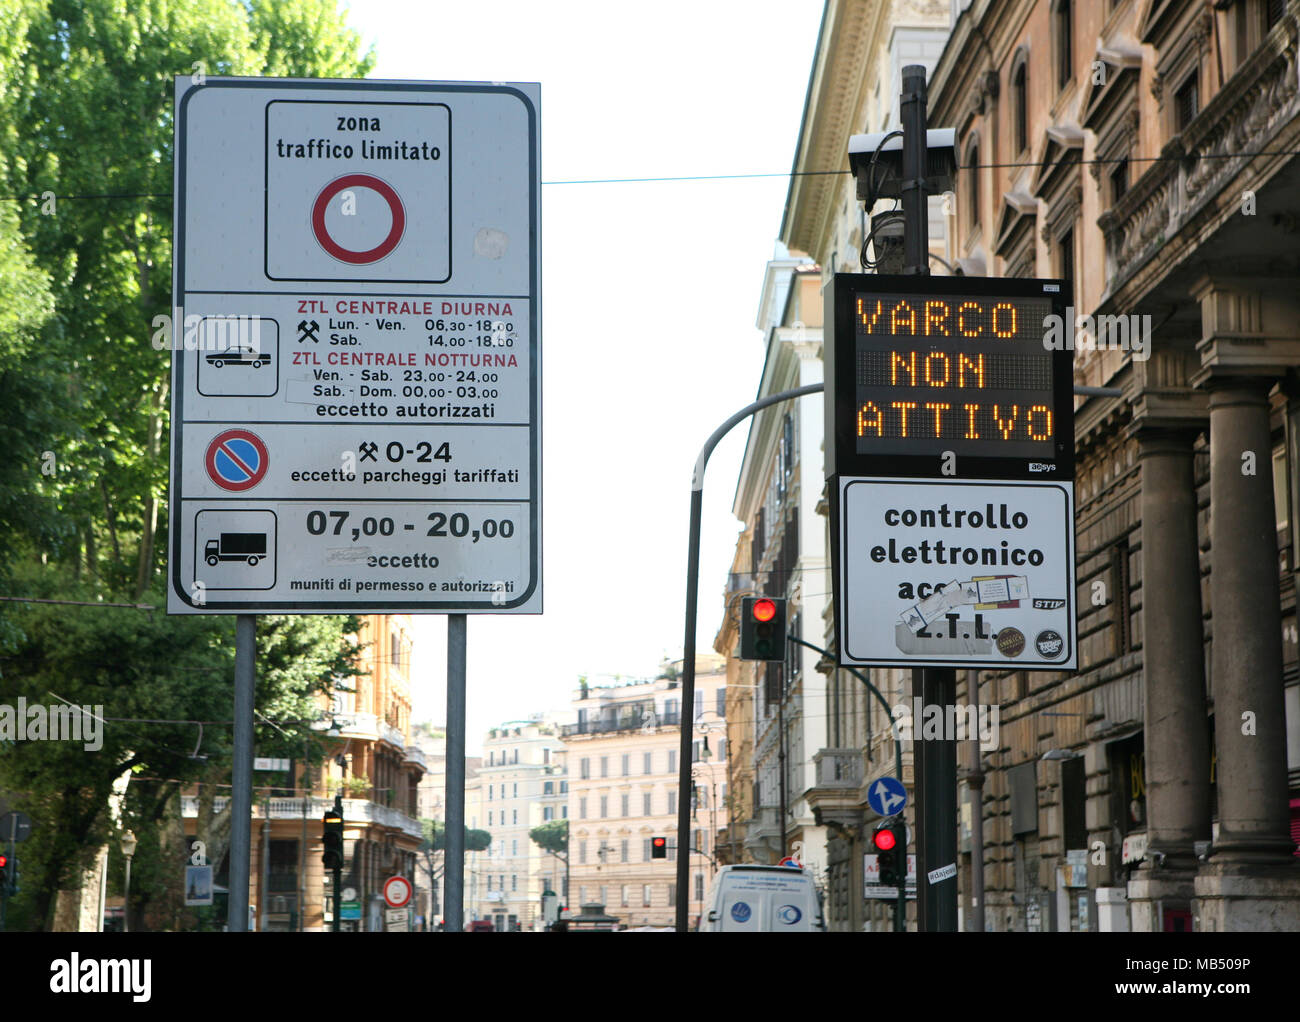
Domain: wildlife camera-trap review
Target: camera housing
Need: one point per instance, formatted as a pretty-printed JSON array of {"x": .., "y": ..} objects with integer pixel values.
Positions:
[{"x": 887, "y": 180}]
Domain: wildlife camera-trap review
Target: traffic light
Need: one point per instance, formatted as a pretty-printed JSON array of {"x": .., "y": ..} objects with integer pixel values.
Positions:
[
  {"x": 333, "y": 857},
  {"x": 762, "y": 628},
  {"x": 658, "y": 848},
  {"x": 891, "y": 854},
  {"x": 4, "y": 874}
]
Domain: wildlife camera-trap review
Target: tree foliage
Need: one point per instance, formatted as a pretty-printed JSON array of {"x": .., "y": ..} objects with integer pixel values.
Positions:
[
  {"x": 86, "y": 100},
  {"x": 552, "y": 837}
]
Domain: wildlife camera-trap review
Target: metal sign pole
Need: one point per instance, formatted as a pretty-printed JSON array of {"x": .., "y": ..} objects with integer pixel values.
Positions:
[
  {"x": 454, "y": 867},
  {"x": 241, "y": 795}
]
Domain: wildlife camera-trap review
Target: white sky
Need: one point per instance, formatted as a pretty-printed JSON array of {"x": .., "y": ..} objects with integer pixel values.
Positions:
[{"x": 649, "y": 294}]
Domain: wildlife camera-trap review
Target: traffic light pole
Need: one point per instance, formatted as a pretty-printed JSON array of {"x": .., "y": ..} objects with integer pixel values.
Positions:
[
  {"x": 337, "y": 876},
  {"x": 688, "y": 647},
  {"x": 900, "y": 906},
  {"x": 936, "y": 761}
]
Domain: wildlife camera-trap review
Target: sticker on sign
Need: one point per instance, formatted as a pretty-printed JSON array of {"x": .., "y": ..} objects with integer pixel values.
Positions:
[
  {"x": 370, "y": 438},
  {"x": 942, "y": 873}
]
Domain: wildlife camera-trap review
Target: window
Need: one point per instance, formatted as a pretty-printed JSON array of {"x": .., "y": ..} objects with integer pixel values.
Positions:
[
  {"x": 564, "y": 787},
  {"x": 503, "y": 791},
  {"x": 489, "y": 817},
  {"x": 582, "y": 857},
  {"x": 514, "y": 881},
  {"x": 625, "y": 800},
  {"x": 548, "y": 813},
  {"x": 627, "y": 763},
  {"x": 604, "y": 895},
  {"x": 720, "y": 702},
  {"x": 699, "y": 886},
  {"x": 582, "y": 894},
  {"x": 582, "y": 808},
  {"x": 516, "y": 816},
  {"x": 671, "y": 709},
  {"x": 645, "y": 895},
  {"x": 584, "y": 768},
  {"x": 722, "y": 748},
  {"x": 514, "y": 847},
  {"x": 973, "y": 184},
  {"x": 548, "y": 787},
  {"x": 1118, "y": 181},
  {"x": 699, "y": 704},
  {"x": 1119, "y": 596},
  {"x": 647, "y": 763},
  {"x": 604, "y": 766},
  {"x": 672, "y": 895},
  {"x": 647, "y": 850},
  {"x": 1066, "y": 245},
  {"x": 672, "y": 801},
  {"x": 623, "y": 895},
  {"x": 1061, "y": 30},
  {"x": 1281, "y": 493},
  {"x": 672, "y": 761},
  {"x": 515, "y": 758},
  {"x": 489, "y": 793},
  {"x": 492, "y": 756},
  {"x": 564, "y": 812},
  {"x": 647, "y": 800},
  {"x": 604, "y": 806},
  {"x": 623, "y": 853},
  {"x": 546, "y": 755},
  {"x": 1186, "y": 103},
  {"x": 514, "y": 793},
  {"x": 1020, "y": 104}
]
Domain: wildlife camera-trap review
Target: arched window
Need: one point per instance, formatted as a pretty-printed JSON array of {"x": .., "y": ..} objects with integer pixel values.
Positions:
[
  {"x": 1020, "y": 99},
  {"x": 973, "y": 183}
]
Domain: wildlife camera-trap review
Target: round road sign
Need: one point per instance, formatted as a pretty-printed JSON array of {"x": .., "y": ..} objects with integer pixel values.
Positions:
[
  {"x": 236, "y": 459},
  {"x": 348, "y": 255},
  {"x": 397, "y": 892}
]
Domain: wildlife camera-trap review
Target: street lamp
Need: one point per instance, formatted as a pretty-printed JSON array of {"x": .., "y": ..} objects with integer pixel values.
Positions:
[{"x": 128, "y": 849}]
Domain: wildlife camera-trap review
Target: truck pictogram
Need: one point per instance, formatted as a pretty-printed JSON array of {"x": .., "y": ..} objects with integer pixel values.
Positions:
[{"x": 236, "y": 546}]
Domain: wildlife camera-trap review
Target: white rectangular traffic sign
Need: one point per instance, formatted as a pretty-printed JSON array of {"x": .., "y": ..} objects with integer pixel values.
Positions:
[
  {"x": 356, "y": 348},
  {"x": 954, "y": 572}
]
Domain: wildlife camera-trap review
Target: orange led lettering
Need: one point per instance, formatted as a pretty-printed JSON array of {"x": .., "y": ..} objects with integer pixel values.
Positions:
[
  {"x": 936, "y": 320},
  {"x": 937, "y": 409},
  {"x": 870, "y": 419},
  {"x": 1007, "y": 306},
  {"x": 1006, "y": 425},
  {"x": 904, "y": 407},
  {"x": 896, "y": 360},
  {"x": 976, "y": 365},
  {"x": 1029, "y": 422},
  {"x": 869, "y": 323},
  {"x": 930, "y": 376},
  {"x": 961, "y": 320},
  {"x": 910, "y": 319},
  {"x": 971, "y": 432}
]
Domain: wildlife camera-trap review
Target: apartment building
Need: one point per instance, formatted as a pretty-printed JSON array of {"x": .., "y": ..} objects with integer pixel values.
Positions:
[{"x": 624, "y": 787}]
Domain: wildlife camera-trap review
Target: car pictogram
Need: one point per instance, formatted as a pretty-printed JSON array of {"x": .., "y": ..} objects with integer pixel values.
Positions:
[{"x": 240, "y": 356}]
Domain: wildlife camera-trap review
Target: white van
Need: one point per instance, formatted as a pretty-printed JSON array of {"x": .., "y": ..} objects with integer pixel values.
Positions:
[{"x": 762, "y": 899}]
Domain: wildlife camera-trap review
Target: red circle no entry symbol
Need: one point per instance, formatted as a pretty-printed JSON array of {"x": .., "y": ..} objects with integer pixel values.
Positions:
[
  {"x": 236, "y": 460},
  {"x": 348, "y": 255}
]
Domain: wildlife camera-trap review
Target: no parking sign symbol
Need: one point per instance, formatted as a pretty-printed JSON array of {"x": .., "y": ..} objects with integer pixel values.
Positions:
[{"x": 236, "y": 460}]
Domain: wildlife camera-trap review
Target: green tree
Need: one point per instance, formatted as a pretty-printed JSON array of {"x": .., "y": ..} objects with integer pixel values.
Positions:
[{"x": 552, "y": 837}]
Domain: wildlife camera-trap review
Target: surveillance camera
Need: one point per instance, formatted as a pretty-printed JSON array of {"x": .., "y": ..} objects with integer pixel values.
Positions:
[{"x": 884, "y": 181}]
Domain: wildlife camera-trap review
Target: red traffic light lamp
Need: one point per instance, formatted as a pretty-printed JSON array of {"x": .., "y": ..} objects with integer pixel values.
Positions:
[
  {"x": 658, "y": 848},
  {"x": 764, "y": 610},
  {"x": 884, "y": 840}
]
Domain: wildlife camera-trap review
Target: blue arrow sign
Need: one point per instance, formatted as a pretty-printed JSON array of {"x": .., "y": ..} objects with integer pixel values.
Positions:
[{"x": 887, "y": 796}]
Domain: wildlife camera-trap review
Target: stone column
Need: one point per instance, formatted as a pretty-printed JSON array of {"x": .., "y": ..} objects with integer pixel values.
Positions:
[
  {"x": 1248, "y": 342},
  {"x": 1176, "y": 727},
  {"x": 1250, "y": 718}
]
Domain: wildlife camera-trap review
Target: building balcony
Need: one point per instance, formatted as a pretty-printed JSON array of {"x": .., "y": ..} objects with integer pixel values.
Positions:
[
  {"x": 636, "y": 719},
  {"x": 836, "y": 794},
  {"x": 414, "y": 754},
  {"x": 355, "y": 811},
  {"x": 1256, "y": 106},
  {"x": 763, "y": 832},
  {"x": 391, "y": 735}
]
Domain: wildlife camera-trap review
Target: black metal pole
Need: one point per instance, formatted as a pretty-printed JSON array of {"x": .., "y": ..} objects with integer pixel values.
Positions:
[
  {"x": 241, "y": 793},
  {"x": 688, "y": 647},
  {"x": 453, "y": 870},
  {"x": 337, "y": 872},
  {"x": 780, "y": 757}
]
